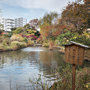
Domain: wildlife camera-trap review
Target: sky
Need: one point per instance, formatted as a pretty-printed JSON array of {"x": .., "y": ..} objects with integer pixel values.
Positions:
[{"x": 31, "y": 9}]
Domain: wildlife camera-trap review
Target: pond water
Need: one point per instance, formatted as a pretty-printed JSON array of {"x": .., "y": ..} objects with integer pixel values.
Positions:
[{"x": 18, "y": 67}]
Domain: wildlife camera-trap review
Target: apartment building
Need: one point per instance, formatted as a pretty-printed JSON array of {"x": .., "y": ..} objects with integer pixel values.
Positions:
[
  {"x": 7, "y": 23},
  {"x": 20, "y": 22},
  {"x": 11, "y": 23}
]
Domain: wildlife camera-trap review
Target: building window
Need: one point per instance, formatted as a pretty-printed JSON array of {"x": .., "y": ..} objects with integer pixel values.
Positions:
[{"x": 2, "y": 21}]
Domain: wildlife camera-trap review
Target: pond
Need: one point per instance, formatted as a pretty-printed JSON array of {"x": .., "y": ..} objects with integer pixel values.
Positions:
[{"x": 17, "y": 68}]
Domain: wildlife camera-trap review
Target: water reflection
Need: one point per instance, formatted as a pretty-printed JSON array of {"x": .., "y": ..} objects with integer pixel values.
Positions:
[{"x": 19, "y": 66}]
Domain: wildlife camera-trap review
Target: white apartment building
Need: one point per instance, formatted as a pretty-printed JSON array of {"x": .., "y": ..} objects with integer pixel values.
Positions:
[
  {"x": 7, "y": 23},
  {"x": 20, "y": 22},
  {"x": 11, "y": 23}
]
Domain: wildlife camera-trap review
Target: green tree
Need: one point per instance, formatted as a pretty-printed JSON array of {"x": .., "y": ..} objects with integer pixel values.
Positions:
[
  {"x": 37, "y": 33},
  {"x": 31, "y": 31},
  {"x": 27, "y": 26},
  {"x": 12, "y": 29},
  {"x": 20, "y": 30},
  {"x": 1, "y": 27}
]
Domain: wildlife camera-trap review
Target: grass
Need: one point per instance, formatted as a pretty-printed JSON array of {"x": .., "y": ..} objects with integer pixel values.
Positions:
[
  {"x": 64, "y": 79},
  {"x": 65, "y": 83}
]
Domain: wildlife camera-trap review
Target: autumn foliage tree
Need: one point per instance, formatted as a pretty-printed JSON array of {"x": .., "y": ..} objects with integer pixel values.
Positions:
[
  {"x": 74, "y": 18},
  {"x": 77, "y": 15},
  {"x": 34, "y": 23},
  {"x": 47, "y": 24}
]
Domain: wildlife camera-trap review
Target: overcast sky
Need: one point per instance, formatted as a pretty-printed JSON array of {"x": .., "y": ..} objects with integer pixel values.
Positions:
[{"x": 30, "y": 9}]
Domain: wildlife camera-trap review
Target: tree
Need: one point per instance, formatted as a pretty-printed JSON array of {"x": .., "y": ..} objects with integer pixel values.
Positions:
[
  {"x": 34, "y": 23},
  {"x": 30, "y": 31},
  {"x": 12, "y": 29},
  {"x": 20, "y": 30},
  {"x": 46, "y": 24},
  {"x": 1, "y": 26},
  {"x": 48, "y": 19},
  {"x": 27, "y": 26},
  {"x": 76, "y": 14},
  {"x": 37, "y": 33}
]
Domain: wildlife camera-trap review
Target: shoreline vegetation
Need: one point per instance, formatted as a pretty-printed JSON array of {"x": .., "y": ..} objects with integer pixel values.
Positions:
[
  {"x": 73, "y": 25},
  {"x": 61, "y": 49},
  {"x": 17, "y": 45},
  {"x": 65, "y": 80},
  {"x": 5, "y": 50},
  {"x": 82, "y": 77}
]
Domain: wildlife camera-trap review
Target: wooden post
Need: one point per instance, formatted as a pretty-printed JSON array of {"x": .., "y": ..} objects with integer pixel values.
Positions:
[
  {"x": 74, "y": 54},
  {"x": 51, "y": 45},
  {"x": 73, "y": 76}
]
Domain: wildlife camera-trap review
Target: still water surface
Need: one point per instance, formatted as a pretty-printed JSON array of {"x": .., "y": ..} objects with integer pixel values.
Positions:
[{"x": 16, "y": 67}]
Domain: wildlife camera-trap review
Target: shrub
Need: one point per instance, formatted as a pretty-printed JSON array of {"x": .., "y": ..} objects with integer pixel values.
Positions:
[
  {"x": 56, "y": 42},
  {"x": 1, "y": 46},
  {"x": 25, "y": 40},
  {"x": 6, "y": 42},
  {"x": 46, "y": 41},
  {"x": 5, "y": 35},
  {"x": 30, "y": 42},
  {"x": 87, "y": 42},
  {"x": 18, "y": 30},
  {"x": 16, "y": 37},
  {"x": 82, "y": 79},
  {"x": 16, "y": 45},
  {"x": 45, "y": 44},
  {"x": 39, "y": 40},
  {"x": 65, "y": 83},
  {"x": 4, "y": 47}
]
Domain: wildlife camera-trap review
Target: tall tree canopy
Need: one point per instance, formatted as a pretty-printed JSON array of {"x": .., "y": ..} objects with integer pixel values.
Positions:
[
  {"x": 48, "y": 19},
  {"x": 33, "y": 23},
  {"x": 47, "y": 24},
  {"x": 76, "y": 14}
]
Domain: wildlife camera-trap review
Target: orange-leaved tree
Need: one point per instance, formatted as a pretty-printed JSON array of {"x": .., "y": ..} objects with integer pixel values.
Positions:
[{"x": 77, "y": 14}]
